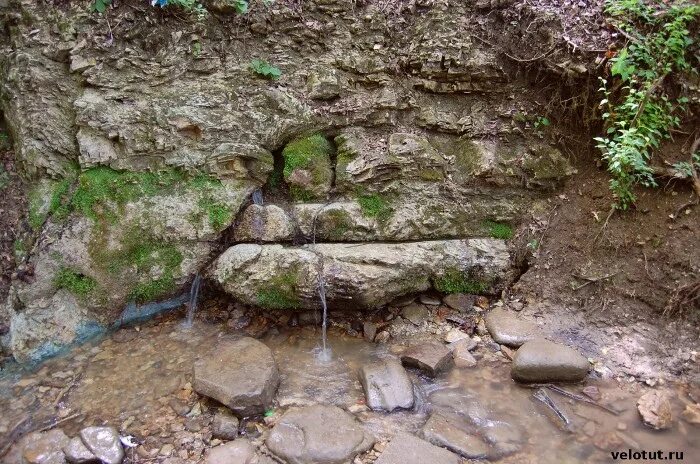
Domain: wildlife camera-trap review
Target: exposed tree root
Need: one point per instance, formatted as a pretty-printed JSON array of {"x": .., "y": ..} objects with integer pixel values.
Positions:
[{"x": 683, "y": 299}]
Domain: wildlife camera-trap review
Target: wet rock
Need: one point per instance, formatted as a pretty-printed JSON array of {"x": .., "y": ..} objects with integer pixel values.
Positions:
[
  {"x": 428, "y": 357},
  {"x": 455, "y": 335},
  {"x": 416, "y": 313},
  {"x": 462, "y": 355},
  {"x": 505, "y": 438},
  {"x": 241, "y": 374},
  {"x": 382, "y": 337},
  {"x": 318, "y": 433},
  {"x": 224, "y": 426},
  {"x": 356, "y": 276},
  {"x": 546, "y": 361},
  {"x": 104, "y": 443},
  {"x": 508, "y": 329},
  {"x": 76, "y": 452},
  {"x": 461, "y": 402},
  {"x": 387, "y": 385},
  {"x": 462, "y": 302},
  {"x": 239, "y": 451},
  {"x": 309, "y": 318},
  {"x": 592, "y": 392},
  {"x": 369, "y": 330},
  {"x": 45, "y": 448},
  {"x": 268, "y": 223},
  {"x": 655, "y": 409},
  {"x": 448, "y": 432},
  {"x": 408, "y": 449},
  {"x": 402, "y": 301},
  {"x": 429, "y": 299}
]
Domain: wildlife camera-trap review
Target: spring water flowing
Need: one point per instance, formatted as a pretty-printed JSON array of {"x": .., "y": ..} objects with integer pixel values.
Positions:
[
  {"x": 194, "y": 297},
  {"x": 325, "y": 354}
]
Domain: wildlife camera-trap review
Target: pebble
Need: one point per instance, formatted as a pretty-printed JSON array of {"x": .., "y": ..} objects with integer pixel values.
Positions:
[
  {"x": 104, "y": 443},
  {"x": 455, "y": 335},
  {"x": 655, "y": 409}
]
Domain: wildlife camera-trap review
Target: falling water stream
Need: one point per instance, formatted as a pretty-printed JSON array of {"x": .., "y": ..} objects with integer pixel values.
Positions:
[
  {"x": 325, "y": 354},
  {"x": 194, "y": 296}
]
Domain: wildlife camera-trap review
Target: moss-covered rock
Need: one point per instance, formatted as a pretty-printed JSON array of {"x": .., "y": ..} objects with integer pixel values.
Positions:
[{"x": 307, "y": 167}]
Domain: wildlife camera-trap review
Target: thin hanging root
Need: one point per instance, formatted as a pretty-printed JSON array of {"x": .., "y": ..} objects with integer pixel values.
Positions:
[
  {"x": 542, "y": 396},
  {"x": 683, "y": 298}
]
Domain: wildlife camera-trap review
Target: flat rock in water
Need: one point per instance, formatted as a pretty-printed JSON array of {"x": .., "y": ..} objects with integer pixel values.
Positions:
[
  {"x": 655, "y": 409},
  {"x": 462, "y": 302},
  {"x": 45, "y": 448},
  {"x": 104, "y": 443},
  {"x": 428, "y": 357},
  {"x": 409, "y": 449},
  {"x": 241, "y": 374},
  {"x": 508, "y": 329},
  {"x": 319, "y": 433},
  {"x": 369, "y": 330},
  {"x": 387, "y": 385},
  {"x": 546, "y": 361},
  {"x": 239, "y": 451},
  {"x": 416, "y": 313},
  {"x": 462, "y": 355},
  {"x": 76, "y": 452},
  {"x": 446, "y": 431},
  {"x": 505, "y": 438}
]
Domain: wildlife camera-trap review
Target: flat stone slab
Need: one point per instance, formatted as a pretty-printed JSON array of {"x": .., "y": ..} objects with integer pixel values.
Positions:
[
  {"x": 241, "y": 374},
  {"x": 446, "y": 431},
  {"x": 318, "y": 434},
  {"x": 104, "y": 443},
  {"x": 508, "y": 329},
  {"x": 430, "y": 358},
  {"x": 546, "y": 361},
  {"x": 387, "y": 385},
  {"x": 239, "y": 451},
  {"x": 409, "y": 449},
  {"x": 462, "y": 302},
  {"x": 416, "y": 313}
]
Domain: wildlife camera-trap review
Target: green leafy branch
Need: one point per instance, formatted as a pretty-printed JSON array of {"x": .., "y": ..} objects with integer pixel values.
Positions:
[{"x": 638, "y": 113}]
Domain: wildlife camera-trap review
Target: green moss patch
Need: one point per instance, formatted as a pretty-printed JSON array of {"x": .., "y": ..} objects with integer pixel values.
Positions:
[
  {"x": 75, "y": 282},
  {"x": 499, "y": 230},
  {"x": 374, "y": 205},
  {"x": 280, "y": 292},
  {"x": 456, "y": 281},
  {"x": 336, "y": 223},
  {"x": 313, "y": 154},
  {"x": 41, "y": 207}
]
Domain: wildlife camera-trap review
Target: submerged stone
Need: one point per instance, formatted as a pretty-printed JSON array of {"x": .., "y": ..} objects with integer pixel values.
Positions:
[
  {"x": 430, "y": 358},
  {"x": 387, "y": 385},
  {"x": 449, "y": 432},
  {"x": 241, "y": 374},
  {"x": 76, "y": 452},
  {"x": 546, "y": 361},
  {"x": 508, "y": 329},
  {"x": 45, "y": 448},
  {"x": 104, "y": 443},
  {"x": 319, "y": 433},
  {"x": 409, "y": 449}
]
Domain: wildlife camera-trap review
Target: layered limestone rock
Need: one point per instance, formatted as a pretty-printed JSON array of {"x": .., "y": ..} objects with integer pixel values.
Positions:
[
  {"x": 365, "y": 275},
  {"x": 143, "y": 145}
]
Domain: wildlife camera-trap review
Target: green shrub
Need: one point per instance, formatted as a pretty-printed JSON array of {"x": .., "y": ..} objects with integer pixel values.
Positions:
[
  {"x": 456, "y": 281},
  {"x": 641, "y": 114},
  {"x": 76, "y": 283},
  {"x": 265, "y": 69}
]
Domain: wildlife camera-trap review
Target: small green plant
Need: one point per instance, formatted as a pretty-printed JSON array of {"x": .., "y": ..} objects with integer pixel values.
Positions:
[
  {"x": 75, "y": 282},
  {"x": 686, "y": 169},
  {"x": 219, "y": 215},
  {"x": 541, "y": 122},
  {"x": 265, "y": 69},
  {"x": 499, "y": 230},
  {"x": 241, "y": 6},
  {"x": 640, "y": 115},
  {"x": 456, "y": 281},
  {"x": 100, "y": 6},
  {"x": 373, "y": 205}
]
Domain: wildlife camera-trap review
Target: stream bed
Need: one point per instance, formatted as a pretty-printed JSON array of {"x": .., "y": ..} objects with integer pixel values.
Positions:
[{"x": 139, "y": 380}]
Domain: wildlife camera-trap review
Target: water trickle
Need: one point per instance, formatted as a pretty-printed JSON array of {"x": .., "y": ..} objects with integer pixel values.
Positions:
[
  {"x": 325, "y": 354},
  {"x": 258, "y": 197},
  {"x": 194, "y": 296}
]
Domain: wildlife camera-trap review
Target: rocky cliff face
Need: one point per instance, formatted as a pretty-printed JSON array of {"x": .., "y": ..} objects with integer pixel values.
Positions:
[{"x": 145, "y": 136}]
